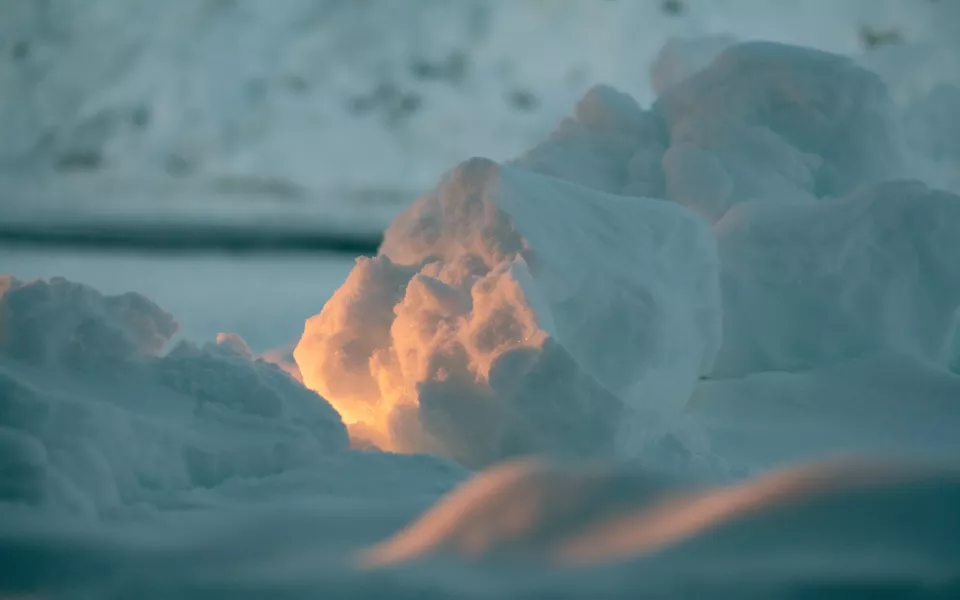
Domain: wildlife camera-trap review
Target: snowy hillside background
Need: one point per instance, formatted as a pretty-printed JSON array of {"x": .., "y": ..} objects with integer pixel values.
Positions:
[{"x": 359, "y": 105}]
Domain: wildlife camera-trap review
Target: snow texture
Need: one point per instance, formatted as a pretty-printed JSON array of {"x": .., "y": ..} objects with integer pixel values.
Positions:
[
  {"x": 46, "y": 323},
  {"x": 680, "y": 58},
  {"x": 94, "y": 420},
  {"x": 610, "y": 144},
  {"x": 811, "y": 285},
  {"x": 778, "y": 123}
]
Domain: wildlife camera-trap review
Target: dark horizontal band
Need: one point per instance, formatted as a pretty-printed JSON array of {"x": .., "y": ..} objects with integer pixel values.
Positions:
[{"x": 186, "y": 238}]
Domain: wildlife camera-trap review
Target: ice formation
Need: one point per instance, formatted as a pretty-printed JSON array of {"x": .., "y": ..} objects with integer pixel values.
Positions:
[{"x": 510, "y": 312}]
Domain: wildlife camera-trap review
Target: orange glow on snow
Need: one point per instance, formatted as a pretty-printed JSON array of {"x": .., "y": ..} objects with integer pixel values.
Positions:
[{"x": 388, "y": 330}]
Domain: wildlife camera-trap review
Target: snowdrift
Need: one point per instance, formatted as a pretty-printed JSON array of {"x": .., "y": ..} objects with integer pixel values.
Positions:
[
  {"x": 812, "y": 285},
  {"x": 96, "y": 423}
]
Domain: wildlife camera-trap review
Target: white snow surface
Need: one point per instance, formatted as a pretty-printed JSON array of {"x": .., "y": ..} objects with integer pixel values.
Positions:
[
  {"x": 632, "y": 330},
  {"x": 96, "y": 420},
  {"x": 810, "y": 285}
]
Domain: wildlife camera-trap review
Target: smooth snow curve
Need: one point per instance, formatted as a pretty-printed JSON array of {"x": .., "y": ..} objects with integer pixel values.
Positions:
[{"x": 538, "y": 513}]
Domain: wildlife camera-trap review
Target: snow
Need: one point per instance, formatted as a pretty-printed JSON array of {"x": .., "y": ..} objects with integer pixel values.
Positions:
[
  {"x": 580, "y": 517},
  {"x": 772, "y": 122},
  {"x": 620, "y": 359},
  {"x": 859, "y": 528},
  {"x": 502, "y": 281},
  {"x": 96, "y": 422},
  {"x": 679, "y": 58},
  {"x": 323, "y": 100},
  {"x": 263, "y": 299},
  {"x": 811, "y": 285},
  {"x": 870, "y": 406},
  {"x": 56, "y": 322},
  {"x": 609, "y": 144}
]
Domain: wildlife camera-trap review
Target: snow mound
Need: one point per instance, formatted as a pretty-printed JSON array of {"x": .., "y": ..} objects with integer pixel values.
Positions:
[
  {"x": 935, "y": 121},
  {"x": 812, "y": 285},
  {"x": 46, "y": 322},
  {"x": 95, "y": 422},
  {"x": 933, "y": 128},
  {"x": 679, "y": 58},
  {"x": 777, "y": 123},
  {"x": 579, "y": 517},
  {"x": 510, "y": 313},
  {"x": 610, "y": 144}
]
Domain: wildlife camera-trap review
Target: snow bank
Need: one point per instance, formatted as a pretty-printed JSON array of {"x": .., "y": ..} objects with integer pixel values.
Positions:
[
  {"x": 510, "y": 312},
  {"x": 777, "y": 123},
  {"x": 610, "y": 144},
  {"x": 887, "y": 405},
  {"x": 95, "y": 421},
  {"x": 811, "y": 285},
  {"x": 44, "y": 323},
  {"x": 933, "y": 130},
  {"x": 680, "y": 58}
]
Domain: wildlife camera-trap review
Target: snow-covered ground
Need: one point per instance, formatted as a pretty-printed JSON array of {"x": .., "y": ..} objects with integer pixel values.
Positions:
[{"x": 739, "y": 257}]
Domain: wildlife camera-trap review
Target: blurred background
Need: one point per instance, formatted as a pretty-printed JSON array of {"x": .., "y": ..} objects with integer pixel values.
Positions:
[{"x": 327, "y": 117}]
